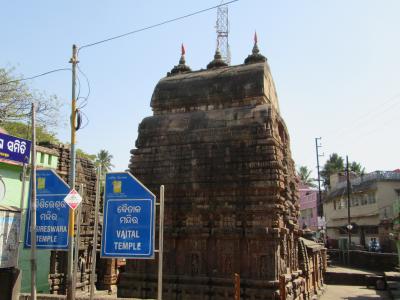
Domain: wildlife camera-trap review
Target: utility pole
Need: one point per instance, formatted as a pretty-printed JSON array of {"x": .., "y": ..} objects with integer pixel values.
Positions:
[
  {"x": 320, "y": 209},
  {"x": 33, "y": 206},
  {"x": 349, "y": 226},
  {"x": 70, "y": 290}
]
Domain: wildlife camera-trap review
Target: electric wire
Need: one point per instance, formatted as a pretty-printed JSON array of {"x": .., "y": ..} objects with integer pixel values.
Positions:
[
  {"x": 371, "y": 114},
  {"x": 85, "y": 99},
  {"x": 79, "y": 87},
  {"x": 84, "y": 117},
  {"x": 36, "y": 76},
  {"x": 154, "y": 25},
  {"x": 120, "y": 36}
]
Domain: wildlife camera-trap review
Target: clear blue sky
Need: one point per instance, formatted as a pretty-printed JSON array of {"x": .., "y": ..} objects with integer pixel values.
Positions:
[{"x": 336, "y": 66}]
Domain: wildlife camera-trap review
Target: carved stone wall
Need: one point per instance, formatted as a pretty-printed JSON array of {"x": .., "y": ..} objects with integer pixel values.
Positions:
[{"x": 219, "y": 145}]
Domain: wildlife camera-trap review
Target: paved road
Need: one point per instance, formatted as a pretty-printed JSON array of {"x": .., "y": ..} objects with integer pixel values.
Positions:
[{"x": 337, "y": 292}]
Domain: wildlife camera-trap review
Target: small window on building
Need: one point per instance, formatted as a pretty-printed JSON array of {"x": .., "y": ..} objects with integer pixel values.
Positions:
[
  {"x": 41, "y": 158},
  {"x": 364, "y": 199},
  {"x": 334, "y": 204},
  {"x": 49, "y": 159},
  {"x": 371, "y": 199},
  {"x": 342, "y": 203},
  {"x": 371, "y": 230},
  {"x": 355, "y": 200}
]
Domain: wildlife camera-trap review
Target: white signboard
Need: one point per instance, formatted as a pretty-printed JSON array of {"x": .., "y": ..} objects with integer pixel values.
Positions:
[
  {"x": 9, "y": 232},
  {"x": 73, "y": 199}
]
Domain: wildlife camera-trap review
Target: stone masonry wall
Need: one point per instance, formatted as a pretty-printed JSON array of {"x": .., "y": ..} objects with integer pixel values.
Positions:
[{"x": 231, "y": 203}]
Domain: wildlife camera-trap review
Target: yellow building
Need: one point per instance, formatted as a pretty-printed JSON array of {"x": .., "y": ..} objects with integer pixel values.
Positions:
[{"x": 373, "y": 199}]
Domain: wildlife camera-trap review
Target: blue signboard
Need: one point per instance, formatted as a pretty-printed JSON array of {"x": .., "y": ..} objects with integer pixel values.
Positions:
[
  {"x": 15, "y": 149},
  {"x": 52, "y": 213},
  {"x": 128, "y": 225}
]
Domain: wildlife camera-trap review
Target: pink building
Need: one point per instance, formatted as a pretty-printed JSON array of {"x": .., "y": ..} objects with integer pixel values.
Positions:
[{"x": 308, "y": 207}]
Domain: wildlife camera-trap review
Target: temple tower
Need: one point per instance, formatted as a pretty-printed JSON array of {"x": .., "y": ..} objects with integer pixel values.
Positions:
[{"x": 218, "y": 143}]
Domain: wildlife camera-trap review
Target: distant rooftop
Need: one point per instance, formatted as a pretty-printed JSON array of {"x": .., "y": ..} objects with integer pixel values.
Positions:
[{"x": 373, "y": 176}]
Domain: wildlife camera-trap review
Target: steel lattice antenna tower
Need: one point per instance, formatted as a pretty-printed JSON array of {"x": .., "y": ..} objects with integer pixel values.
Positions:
[{"x": 222, "y": 28}]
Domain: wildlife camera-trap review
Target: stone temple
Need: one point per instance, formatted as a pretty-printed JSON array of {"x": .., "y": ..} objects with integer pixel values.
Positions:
[{"x": 218, "y": 143}]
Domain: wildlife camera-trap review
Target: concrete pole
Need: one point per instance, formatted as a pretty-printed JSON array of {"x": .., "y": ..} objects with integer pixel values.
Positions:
[
  {"x": 70, "y": 290},
  {"x": 320, "y": 211},
  {"x": 33, "y": 206},
  {"x": 349, "y": 227}
]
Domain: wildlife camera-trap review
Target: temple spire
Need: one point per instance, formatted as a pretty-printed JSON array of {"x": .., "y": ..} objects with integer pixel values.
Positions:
[
  {"x": 255, "y": 56},
  {"x": 181, "y": 67}
]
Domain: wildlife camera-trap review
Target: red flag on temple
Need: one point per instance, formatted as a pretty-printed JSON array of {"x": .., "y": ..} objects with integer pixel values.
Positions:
[{"x": 183, "y": 49}]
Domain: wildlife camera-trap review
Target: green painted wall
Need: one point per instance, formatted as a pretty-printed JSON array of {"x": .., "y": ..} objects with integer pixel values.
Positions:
[{"x": 11, "y": 176}]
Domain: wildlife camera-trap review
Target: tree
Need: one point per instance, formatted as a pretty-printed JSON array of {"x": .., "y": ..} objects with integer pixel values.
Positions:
[
  {"x": 357, "y": 168},
  {"x": 304, "y": 174},
  {"x": 24, "y": 131},
  {"x": 103, "y": 159},
  {"x": 16, "y": 99},
  {"x": 335, "y": 164}
]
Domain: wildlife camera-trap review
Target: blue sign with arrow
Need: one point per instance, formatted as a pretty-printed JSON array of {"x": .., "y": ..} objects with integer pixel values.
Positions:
[
  {"x": 52, "y": 213},
  {"x": 128, "y": 224}
]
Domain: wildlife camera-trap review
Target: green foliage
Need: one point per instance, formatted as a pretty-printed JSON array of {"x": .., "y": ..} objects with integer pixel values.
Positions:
[
  {"x": 357, "y": 168},
  {"x": 335, "y": 164},
  {"x": 16, "y": 98},
  {"x": 24, "y": 131},
  {"x": 103, "y": 159},
  {"x": 304, "y": 174},
  {"x": 83, "y": 154}
]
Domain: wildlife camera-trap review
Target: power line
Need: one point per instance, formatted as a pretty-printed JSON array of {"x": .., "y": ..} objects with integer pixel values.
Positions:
[
  {"x": 36, "y": 76},
  {"x": 366, "y": 117},
  {"x": 120, "y": 36},
  {"x": 155, "y": 25},
  {"x": 84, "y": 99}
]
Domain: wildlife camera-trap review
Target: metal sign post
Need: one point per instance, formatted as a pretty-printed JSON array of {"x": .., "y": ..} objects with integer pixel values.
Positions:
[
  {"x": 33, "y": 206},
  {"x": 161, "y": 244}
]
